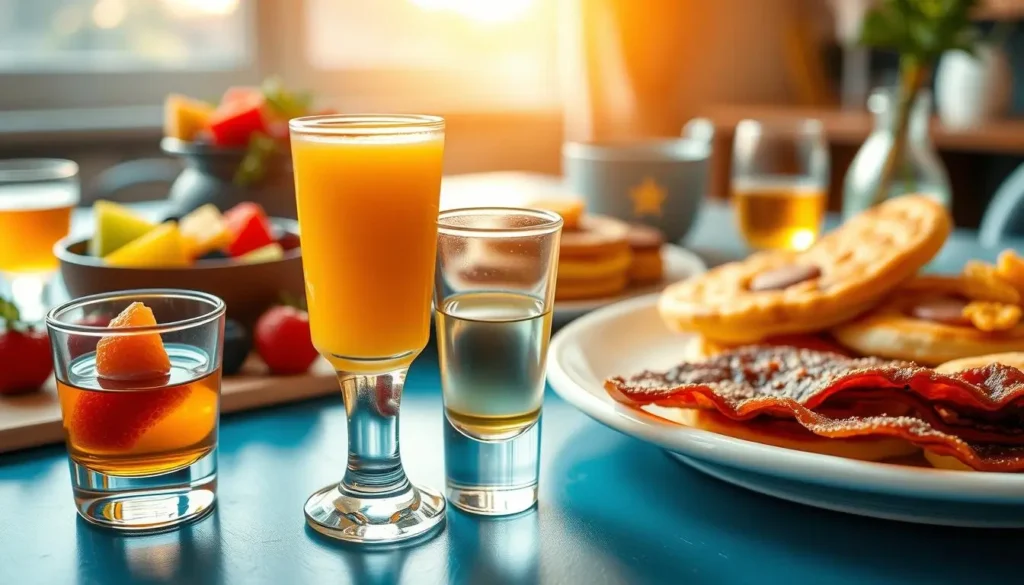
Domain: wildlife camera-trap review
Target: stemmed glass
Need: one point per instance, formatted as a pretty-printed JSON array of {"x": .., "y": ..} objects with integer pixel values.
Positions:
[{"x": 368, "y": 191}]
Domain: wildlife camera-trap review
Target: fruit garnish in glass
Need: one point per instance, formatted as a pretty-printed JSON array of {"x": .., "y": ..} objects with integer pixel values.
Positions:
[{"x": 140, "y": 402}]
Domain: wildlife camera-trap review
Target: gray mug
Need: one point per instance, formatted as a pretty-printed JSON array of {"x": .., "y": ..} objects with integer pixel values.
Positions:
[{"x": 660, "y": 182}]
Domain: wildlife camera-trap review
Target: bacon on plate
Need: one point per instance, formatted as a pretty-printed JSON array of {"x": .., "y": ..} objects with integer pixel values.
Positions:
[{"x": 975, "y": 415}]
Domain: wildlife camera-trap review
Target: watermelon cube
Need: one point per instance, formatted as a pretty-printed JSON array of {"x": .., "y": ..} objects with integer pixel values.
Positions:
[{"x": 249, "y": 228}]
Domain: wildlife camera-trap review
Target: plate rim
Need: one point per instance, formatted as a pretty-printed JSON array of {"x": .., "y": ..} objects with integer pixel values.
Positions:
[
  {"x": 943, "y": 484},
  {"x": 724, "y": 473}
]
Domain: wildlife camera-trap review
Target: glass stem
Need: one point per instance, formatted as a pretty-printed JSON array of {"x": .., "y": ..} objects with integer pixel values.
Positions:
[{"x": 371, "y": 406}]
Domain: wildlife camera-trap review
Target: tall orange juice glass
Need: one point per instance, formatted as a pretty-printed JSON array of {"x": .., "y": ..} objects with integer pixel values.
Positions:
[{"x": 367, "y": 190}]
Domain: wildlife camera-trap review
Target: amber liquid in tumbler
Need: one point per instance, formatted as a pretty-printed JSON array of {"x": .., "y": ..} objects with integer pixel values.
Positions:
[
  {"x": 779, "y": 214},
  {"x": 145, "y": 428},
  {"x": 32, "y": 219}
]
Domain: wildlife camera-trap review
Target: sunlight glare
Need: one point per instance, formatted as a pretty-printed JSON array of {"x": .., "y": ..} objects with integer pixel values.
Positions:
[
  {"x": 485, "y": 11},
  {"x": 109, "y": 13},
  {"x": 191, "y": 8}
]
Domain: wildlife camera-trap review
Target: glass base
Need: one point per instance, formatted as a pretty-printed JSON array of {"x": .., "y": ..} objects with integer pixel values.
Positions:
[
  {"x": 413, "y": 514},
  {"x": 149, "y": 504},
  {"x": 491, "y": 501},
  {"x": 491, "y": 478}
]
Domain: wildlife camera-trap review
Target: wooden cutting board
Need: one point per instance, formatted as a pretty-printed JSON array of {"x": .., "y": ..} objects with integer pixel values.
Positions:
[{"x": 34, "y": 419}]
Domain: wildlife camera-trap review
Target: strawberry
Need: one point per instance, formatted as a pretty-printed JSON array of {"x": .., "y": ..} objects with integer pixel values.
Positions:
[
  {"x": 283, "y": 340},
  {"x": 116, "y": 420},
  {"x": 25, "y": 359}
]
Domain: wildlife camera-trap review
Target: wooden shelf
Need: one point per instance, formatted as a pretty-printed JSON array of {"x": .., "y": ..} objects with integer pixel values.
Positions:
[{"x": 852, "y": 127}]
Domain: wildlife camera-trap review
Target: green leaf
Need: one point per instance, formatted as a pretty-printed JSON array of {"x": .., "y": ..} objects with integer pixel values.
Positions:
[
  {"x": 923, "y": 29},
  {"x": 9, "y": 312},
  {"x": 253, "y": 167},
  {"x": 285, "y": 103}
]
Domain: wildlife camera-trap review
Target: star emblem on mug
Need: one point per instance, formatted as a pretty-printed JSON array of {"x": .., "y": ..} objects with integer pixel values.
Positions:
[{"x": 647, "y": 198}]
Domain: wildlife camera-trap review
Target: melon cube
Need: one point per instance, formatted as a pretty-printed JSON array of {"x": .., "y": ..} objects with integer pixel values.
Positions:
[
  {"x": 268, "y": 253},
  {"x": 185, "y": 118},
  {"x": 204, "y": 231},
  {"x": 115, "y": 226},
  {"x": 161, "y": 247}
]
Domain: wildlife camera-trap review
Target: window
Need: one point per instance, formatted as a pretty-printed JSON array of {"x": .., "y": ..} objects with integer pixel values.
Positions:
[
  {"x": 119, "y": 35},
  {"x": 464, "y": 54},
  {"x": 430, "y": 55}
]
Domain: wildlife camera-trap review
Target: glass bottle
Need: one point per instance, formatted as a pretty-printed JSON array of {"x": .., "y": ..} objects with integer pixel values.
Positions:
[{"x": 920, "y": 169}]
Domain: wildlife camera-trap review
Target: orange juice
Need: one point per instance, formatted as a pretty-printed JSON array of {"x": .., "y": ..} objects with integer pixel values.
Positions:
[
  {"x": 32, "y": 219},
  {"x": 367, "y": 211}
]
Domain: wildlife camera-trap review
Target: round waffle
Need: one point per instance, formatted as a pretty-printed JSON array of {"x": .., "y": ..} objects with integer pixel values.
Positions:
[{"x": 842, "y": 275}]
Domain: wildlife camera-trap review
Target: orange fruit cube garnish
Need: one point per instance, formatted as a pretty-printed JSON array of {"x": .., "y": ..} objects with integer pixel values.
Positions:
[{"x": 132, "y": 357}]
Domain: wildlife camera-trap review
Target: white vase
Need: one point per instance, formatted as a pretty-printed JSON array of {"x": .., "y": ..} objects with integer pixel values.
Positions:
[{"x": 971, "y": 90}]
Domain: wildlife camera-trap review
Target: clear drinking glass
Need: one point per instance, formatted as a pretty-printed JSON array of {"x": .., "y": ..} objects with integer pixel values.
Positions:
[
  {"x": 36, "y": 199},
  {"x": 493, "y": 297},
  {"x": 780, "y": 176},
  {"x": 142, "y": 447},
  {"x": 367, "y": 191}
]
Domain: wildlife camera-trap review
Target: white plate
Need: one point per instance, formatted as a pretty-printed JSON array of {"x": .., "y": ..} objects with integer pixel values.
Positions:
[
  {"x": 679, "y": 264},
  {"x": 629, "y": 336}
]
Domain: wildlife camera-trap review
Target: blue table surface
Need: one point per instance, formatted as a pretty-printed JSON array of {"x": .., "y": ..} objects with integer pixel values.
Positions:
[{"x": 612, "y": 510}]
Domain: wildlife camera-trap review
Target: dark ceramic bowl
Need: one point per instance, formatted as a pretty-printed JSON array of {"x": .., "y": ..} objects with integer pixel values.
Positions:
[
  {"x": 247, "y": 289},
  {"x": 208, "y": 177}
]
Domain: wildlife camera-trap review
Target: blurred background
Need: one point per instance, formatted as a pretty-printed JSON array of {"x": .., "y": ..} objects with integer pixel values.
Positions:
[{"x": 86, "y": 79}]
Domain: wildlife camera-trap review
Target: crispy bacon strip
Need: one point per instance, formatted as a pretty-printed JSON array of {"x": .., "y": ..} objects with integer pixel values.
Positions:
[{"x": 974, "y": 415}]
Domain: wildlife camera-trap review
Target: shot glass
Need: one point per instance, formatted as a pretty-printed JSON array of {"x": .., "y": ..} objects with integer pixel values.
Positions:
[
  {"x": 142, "y": 445},
  {"x": 493, "y": 298}
]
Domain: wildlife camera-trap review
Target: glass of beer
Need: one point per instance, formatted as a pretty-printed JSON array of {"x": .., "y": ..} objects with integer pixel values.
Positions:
[
  {"x": 780, "y": 177},
  {"x": 36, "y": 199},
  {"x": 368, "y": 190}
]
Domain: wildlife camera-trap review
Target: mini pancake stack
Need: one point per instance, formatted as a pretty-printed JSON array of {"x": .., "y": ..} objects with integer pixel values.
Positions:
[
  {"x": 601, "y": 256},
  {"x": 594, "y": 259}
]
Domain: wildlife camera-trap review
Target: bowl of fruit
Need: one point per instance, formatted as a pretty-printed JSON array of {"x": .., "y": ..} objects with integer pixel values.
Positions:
[
  {"x": 235, "y": 150},
  {"x": 242, "y": 256}
]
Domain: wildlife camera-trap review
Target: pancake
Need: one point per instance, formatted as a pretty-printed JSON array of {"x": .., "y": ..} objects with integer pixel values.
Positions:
[
  {"x": 598, "y": 267},
  {"x": 894, "y": 330},
  {"x": 1013, "y": 359},
  {"x": 844, "y": 274},
  {"x": 597, "y": 235},
  {"x": 645, "y": 242},
  {"x": 567, "y": 290},
  {"x": 647, "y": 267},
  {"x": 644, "y": 237},
  {"x": 945, "y": 462},
  {"x": 815, "y": 341}
]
